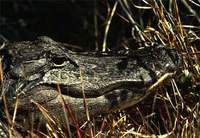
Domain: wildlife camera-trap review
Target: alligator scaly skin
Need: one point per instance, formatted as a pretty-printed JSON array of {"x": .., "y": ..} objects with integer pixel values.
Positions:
[{"x": 33, "y": 70}]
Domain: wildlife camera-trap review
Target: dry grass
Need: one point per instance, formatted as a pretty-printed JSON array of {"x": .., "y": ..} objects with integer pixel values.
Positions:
[{"x": 175, "y": 109}]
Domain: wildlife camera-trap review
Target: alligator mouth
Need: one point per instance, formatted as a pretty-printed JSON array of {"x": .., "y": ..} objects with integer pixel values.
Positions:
[
  {"x": 94, "y": 93},
  {"x": 111, "y": 100},
  {"x": 112, "y": 94},
  {"x": 112, "y": 97}
]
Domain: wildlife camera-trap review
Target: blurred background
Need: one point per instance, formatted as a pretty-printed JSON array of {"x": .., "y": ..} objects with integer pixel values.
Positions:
[{"x": 78, "y": 22}]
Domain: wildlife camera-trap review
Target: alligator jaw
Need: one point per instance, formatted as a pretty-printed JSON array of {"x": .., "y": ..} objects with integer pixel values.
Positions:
[{"x": 50, "y": 99}]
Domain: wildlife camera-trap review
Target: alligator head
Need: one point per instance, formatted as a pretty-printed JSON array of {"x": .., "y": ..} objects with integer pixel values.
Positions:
[{"x": 34, "y": 70}]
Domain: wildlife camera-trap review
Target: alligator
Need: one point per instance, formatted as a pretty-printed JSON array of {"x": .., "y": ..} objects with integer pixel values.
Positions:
[{"x": 45, "y": 72}]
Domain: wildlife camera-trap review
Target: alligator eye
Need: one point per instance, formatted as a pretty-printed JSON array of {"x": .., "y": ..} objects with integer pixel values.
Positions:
[{"x": 58, "y": 61}]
